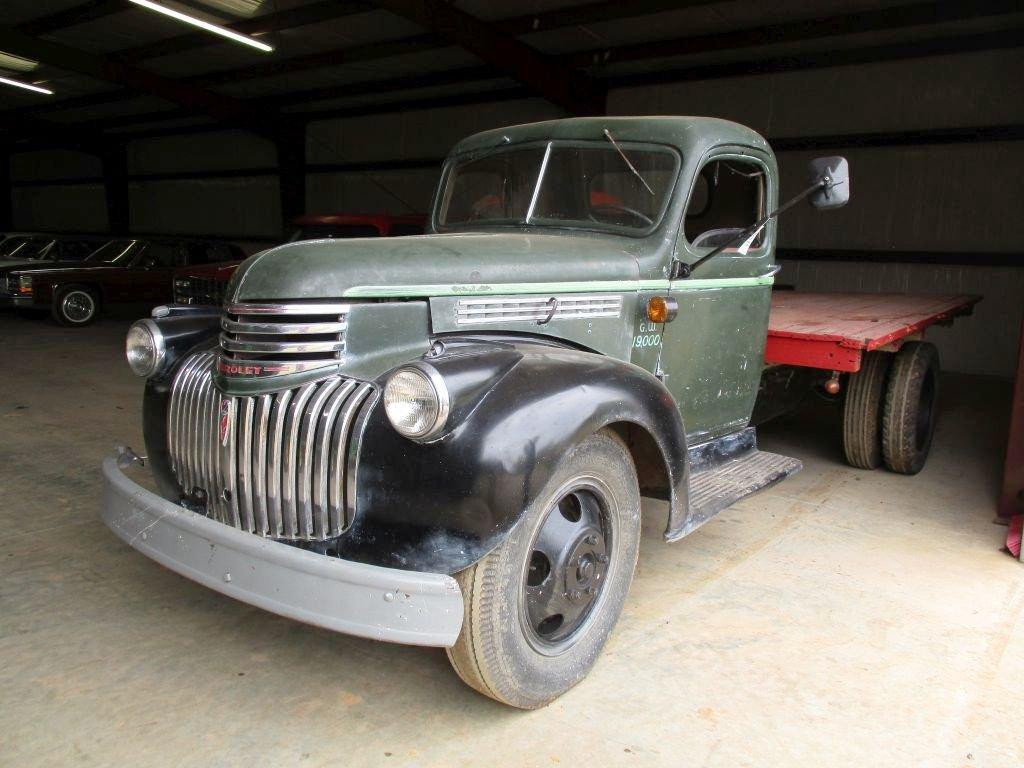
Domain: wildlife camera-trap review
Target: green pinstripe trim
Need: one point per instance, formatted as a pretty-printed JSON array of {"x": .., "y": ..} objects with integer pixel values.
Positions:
[{"x": 397, "y": 291}]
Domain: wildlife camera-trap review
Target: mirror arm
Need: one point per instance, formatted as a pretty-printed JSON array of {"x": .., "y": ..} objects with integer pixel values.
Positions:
[{"x": 682, "y": 270}]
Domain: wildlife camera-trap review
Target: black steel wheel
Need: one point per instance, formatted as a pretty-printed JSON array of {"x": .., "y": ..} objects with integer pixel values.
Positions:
[
  {"x": 75, "y": 305},
  {"x": 567, "y": 566},
  {"x": 911, "y": 399},
  {"x": 540, "y": 607}
]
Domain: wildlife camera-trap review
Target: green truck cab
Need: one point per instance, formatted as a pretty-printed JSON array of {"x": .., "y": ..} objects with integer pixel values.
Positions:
[{"x": 443, "y": 439}]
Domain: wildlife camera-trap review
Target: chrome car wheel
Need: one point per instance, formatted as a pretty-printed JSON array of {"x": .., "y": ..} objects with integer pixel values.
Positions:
[{"x": 78, "y": 306}]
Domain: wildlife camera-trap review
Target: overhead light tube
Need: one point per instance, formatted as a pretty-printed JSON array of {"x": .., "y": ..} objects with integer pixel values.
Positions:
[
  {"x": 26, "y": 86},
  {"x": 205, "y": 25}
]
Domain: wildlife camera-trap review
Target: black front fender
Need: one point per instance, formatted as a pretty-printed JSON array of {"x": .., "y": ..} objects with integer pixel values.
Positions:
[{"x": 517, "y": 409}]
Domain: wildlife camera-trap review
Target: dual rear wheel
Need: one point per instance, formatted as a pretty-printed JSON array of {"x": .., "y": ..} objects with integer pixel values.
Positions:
[{"x": 889, "y": 413}]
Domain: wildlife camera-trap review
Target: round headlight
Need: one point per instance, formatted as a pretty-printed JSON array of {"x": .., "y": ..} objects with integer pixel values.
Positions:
[
  {"x": 416, "y": 401},
  {"x": 144, "y": 347}
]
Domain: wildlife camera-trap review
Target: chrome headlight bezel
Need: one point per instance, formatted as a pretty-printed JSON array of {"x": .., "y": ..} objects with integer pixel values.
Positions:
[
  {"x": 157, "y": 343},
  {"x": 24, "y": 285},
  {"x": 433, "y": 380}
]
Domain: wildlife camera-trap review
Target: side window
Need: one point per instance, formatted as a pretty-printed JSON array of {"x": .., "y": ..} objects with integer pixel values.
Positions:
[
  {"x": 203, "y": 253},
  {"x": 162, "y": 256},
  {"x": 728, "y": 197},
  {"x": 76, "y": 250}
]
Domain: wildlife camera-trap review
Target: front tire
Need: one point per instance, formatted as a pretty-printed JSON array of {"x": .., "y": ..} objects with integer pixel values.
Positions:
[
  {"x": 75, "y": 305},
  {"x": 540, "y": 607}
]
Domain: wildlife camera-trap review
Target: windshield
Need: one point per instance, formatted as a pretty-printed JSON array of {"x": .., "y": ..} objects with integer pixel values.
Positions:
[
  {"x": 114, "y": 251},
  {"x": 579, "y": 184},
  {"x": 27, "y": 248}
]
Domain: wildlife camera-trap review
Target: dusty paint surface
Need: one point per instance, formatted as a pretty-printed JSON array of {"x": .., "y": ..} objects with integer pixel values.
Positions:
[{"x": 841, "y": 618}]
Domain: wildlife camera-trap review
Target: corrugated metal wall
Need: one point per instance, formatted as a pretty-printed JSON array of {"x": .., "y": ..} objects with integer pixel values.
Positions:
[{"x": 946, "y": 198}]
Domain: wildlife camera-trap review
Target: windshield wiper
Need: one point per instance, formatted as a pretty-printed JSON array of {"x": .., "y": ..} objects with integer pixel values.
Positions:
[{"x": 608, "y": 135}]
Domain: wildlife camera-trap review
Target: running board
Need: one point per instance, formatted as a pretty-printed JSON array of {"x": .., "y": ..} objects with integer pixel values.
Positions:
[{"x": 715, "y": 486}]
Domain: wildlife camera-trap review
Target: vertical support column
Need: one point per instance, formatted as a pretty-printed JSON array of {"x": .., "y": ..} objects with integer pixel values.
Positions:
[
  {"x": 291, "y": 164},
  {"x": 6, "y": 190},
  {"x": 115, "y": 184},
  {"x": 1011, "y": 498}
]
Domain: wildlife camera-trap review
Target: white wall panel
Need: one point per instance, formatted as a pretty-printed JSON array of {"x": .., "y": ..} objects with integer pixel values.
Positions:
[
  {"x": 244, "y": 206},
  {"x": 54, "y": 164},
  {"x": 200, "y": 152},
  {"x": 371, "y": 192},
  {"x": 69, "y": 208},
  {"x": 418, "y": 134},
  {"x": 962, "y": 197},
  {"x": 935, "y": 92}
]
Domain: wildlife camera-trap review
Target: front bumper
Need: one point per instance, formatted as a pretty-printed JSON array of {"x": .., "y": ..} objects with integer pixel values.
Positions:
[
  {"x": 7, "y": 300},
  {"x": 354, "y": 598}
]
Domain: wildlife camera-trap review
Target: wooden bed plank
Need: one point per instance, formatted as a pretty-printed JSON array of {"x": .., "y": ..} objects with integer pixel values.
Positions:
[{"x": 832, "y": 330}]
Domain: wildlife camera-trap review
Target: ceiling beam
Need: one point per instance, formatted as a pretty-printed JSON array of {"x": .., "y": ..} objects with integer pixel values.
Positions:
[
  {"x": 111, "y": 70},
  {"x": 816, "y": 59},
  {"x": 580, "y": 15},
  {"x": 315, "y": 13},
  {"x": 573, "y": 91},
  {"x": 70, "y": 17},
  {"x": 268, "y": 23}
]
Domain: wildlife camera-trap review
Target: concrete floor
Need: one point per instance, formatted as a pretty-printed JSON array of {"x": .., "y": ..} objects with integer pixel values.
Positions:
[{"x": 841, "y": 618}]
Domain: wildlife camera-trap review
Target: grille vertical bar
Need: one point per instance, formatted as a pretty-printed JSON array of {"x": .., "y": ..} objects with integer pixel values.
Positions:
[{"x": 278, "y": 465}]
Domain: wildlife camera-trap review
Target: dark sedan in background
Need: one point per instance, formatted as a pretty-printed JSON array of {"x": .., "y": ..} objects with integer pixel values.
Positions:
[
  {"x": 20, "y": 247},
  {"x": 122, "y": 271}
]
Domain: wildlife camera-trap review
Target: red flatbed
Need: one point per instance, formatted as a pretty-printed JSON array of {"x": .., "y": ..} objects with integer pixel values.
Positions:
[{"x": 832, "y": 331}]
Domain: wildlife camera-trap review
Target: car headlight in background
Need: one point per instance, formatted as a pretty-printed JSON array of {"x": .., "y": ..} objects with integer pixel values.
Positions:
[
  {"x": 145, "y": 348},
  {"x": 416, "y": 401},
  {"x": 25, "y": 285}
]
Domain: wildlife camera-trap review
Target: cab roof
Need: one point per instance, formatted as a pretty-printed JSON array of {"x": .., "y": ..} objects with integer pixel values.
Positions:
[{"x": 687, "y": 134}]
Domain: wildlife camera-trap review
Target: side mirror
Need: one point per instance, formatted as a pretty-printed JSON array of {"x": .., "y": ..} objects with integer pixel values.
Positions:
[{"x": 837, "y": 192}]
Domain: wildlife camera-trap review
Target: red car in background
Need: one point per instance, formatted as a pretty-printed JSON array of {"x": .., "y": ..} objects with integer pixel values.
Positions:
[{"x": 205, "y": 285}]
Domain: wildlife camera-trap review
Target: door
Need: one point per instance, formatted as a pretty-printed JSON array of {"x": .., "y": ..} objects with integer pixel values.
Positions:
[
  {"x": 713, "y": 351},
  {"x": 153, "y": 271}
]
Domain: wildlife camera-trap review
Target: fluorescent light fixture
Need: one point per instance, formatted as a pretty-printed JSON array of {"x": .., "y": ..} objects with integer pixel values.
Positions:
[
  {"x": 16, "y": 63},
  {"x": 26, "y": 86},
  {"x": 214, "y": 28}
]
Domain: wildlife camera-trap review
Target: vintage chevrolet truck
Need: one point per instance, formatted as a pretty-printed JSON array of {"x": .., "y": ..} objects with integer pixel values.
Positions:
[{"x": 443, "y": 440}]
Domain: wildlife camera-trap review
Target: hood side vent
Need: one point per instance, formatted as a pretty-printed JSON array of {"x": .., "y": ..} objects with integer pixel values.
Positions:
[{"x": 285, "y": 333}]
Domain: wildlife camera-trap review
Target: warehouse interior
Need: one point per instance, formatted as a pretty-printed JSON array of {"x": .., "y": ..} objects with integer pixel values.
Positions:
[{"x": 837, "y": 618}]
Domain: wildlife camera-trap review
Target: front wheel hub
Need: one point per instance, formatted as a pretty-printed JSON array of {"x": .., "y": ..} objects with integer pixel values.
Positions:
[{"x": 568, "y": 566}]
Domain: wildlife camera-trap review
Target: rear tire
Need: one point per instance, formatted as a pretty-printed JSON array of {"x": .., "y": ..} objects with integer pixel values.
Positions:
[
  {"x": 75, "y": 305},
  {"x": 540, "y": 607},
  {"x": 862, "y": 411},
  {"x": 908, "y": 421}
]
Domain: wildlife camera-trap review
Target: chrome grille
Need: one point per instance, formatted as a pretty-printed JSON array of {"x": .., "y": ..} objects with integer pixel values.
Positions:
[
  {"x": 284, "y": 333},
  {"x": 509, "y": 309},
  {"x": 205, "y": 291},
  {"x": 280, "y": 465}
]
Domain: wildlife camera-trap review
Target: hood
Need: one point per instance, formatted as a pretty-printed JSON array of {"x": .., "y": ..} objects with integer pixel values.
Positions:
[
  {"x": 220, "y": 272},
  {"x": 37, "y": 267},
  {"x": 433, "y": 265}
]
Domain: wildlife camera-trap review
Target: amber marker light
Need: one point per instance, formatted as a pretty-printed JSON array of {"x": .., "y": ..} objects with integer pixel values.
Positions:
[{"x": 662, "y": 309}]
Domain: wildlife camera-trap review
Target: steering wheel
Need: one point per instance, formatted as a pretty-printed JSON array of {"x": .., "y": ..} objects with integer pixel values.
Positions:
[{"x": 613, "y": 208}]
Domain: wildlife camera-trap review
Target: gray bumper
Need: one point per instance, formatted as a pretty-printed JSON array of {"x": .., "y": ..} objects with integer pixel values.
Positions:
[{"x": 354, "y": 598}]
